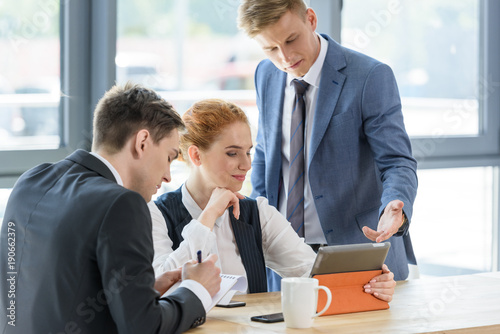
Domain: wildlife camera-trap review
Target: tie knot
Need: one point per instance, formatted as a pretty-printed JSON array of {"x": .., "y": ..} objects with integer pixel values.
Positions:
[{"x": 300, "y": 86}]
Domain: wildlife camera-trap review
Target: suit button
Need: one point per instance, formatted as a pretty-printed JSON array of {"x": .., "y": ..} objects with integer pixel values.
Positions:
[{"x": 198, "y": 322}]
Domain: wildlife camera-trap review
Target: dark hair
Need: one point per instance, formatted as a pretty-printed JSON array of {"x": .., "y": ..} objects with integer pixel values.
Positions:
[{"x": 124, "y": 110}]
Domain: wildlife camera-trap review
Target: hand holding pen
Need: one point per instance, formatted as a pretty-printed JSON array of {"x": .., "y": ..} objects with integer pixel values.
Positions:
[{"x": 204, "y": 272}]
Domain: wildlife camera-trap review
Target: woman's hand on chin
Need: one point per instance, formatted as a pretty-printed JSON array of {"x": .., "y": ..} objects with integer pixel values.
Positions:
[{"x": 219, "y": 201}]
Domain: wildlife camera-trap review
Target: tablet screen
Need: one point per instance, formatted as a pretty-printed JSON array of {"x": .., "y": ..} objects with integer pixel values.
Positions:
[{"x": 348, "y": 258}]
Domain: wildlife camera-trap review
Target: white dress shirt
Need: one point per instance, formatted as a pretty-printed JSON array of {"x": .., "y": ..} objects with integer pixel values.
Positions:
[
  {"x": 198, "y": 289},
  {"x": 284, "y": 251},
  {"x": 313, "y": 232}
]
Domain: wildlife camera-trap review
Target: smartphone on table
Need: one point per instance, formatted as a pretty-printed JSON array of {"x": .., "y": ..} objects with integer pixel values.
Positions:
[
  {"x": 232, "y": 304},
  {"x": 268, "y": 318}
]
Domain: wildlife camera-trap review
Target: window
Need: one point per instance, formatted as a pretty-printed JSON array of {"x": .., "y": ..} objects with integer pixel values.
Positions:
[
  {"x": 433, "y": 49},
  {"x": 29, "y": 83},
  {"x": 52, "y": 73},
  {"x": 444, "y": 60},
  {"x": 440, "y": 53},
  {"x": 188, "y": 51},
  {"x": 4, "y": 196},
  {"x": 184, "y": 45},
  {"x": 452, "y": 221}
]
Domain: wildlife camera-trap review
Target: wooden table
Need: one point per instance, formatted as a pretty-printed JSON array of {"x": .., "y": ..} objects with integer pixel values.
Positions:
[{"x": 458, "y": 304}]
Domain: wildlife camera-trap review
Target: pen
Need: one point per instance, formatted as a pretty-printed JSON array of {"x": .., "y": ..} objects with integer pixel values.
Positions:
[{"x": 199, "y": 256}]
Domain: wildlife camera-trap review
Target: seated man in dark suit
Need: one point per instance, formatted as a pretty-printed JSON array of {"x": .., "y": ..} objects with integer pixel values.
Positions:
[{"x": 78, "y": 232}]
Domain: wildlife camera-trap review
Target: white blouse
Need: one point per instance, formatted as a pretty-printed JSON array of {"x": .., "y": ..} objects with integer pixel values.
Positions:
[{"x": 284, "y": 251}]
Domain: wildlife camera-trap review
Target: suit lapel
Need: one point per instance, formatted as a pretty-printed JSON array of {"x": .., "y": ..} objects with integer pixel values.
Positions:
[
  {"x": 275, "y": 91},
  {"x": 330, "y": 87},
  {"x": 273, "y": 96}
]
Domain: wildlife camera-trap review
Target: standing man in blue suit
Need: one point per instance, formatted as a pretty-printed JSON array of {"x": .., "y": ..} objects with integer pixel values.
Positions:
[{"x": 359, "y": 175}]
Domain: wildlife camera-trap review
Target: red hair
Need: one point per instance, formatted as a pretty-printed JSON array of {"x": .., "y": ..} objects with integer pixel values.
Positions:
[{"x": 205, "y": 120}]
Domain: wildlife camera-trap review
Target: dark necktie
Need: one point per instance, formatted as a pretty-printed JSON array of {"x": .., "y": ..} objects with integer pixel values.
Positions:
[{"x": 295, "y": 198}]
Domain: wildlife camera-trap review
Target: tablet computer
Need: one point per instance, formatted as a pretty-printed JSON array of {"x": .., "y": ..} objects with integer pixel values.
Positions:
[{"x": 348, "y": 258}]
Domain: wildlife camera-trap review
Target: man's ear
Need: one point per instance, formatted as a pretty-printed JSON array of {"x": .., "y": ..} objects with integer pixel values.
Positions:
[
  {"x": 194, "y": 155},
  {"x": 142, "y": 140},
  {"x": 311, "y": 18}
]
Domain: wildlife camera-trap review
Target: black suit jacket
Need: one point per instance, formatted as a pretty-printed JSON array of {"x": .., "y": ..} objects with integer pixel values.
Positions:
[{"x": 83, "y": 252}]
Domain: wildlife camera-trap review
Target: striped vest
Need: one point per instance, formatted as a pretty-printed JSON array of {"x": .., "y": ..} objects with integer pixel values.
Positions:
[{"x": 247, "y": 233}]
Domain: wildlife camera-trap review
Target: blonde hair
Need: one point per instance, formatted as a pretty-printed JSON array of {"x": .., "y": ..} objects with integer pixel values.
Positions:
[
  {"x": 256, "y": 15},
  {"x": 205, "y": 121}
]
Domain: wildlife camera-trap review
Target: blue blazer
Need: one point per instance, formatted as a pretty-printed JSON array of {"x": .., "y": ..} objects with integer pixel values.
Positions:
[{"x": 359, "y": 153}]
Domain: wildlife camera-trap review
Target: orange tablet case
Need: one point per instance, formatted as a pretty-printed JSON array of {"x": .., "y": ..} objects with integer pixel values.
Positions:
[{"x": 348, "y": 294}]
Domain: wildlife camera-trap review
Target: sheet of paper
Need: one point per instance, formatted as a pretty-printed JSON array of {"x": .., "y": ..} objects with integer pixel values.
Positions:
[{"x": 229, "y": 285}]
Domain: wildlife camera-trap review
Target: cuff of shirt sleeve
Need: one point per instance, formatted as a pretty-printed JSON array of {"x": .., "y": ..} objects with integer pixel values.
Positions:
[
  {"x": 200, "y": 291},
  {"x": 195, "y": 228},
  {"x": 404, "y": 226}
]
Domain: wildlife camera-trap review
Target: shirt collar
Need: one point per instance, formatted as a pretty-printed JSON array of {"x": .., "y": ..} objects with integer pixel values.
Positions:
[
  {"x": 192, "y": 207},
  {"x": 110, "y": 166},
  {"x": 313, "y": 76}
]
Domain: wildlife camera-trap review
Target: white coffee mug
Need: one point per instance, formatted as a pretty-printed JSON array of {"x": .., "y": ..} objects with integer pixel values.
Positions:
[{"x": 299, "y": 301}]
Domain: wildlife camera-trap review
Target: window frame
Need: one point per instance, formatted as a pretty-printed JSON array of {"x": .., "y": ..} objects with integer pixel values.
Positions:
[
  {"x": 469, "y": 151},
  {"x": 87, "y": 39},
  {"x": 483, "y": 149}
]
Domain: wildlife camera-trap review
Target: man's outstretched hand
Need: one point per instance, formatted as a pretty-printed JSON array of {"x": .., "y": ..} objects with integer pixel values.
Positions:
[{"x": 388, "y": 224}]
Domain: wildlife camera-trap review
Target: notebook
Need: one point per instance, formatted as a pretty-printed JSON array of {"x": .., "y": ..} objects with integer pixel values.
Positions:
[{"x": 230, "y": 284}]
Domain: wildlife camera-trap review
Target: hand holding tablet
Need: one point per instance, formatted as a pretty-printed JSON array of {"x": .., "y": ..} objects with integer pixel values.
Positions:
[{"x": 346, "y": 270}]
